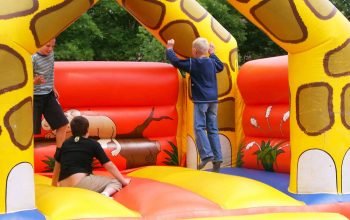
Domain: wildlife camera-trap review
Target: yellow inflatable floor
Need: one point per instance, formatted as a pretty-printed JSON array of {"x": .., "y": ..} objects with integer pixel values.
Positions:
[{"x": 173, "y": 193}]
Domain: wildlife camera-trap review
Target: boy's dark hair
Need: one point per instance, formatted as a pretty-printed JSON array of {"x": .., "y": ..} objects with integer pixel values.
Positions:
[{"x": 79, "y": 126}]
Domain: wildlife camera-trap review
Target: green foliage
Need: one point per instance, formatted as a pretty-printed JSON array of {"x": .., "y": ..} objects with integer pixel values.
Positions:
[
  {"x": 267, "y": 154},
  {"x": 50, "y": 163},
  {"x": 150, "y": 49},
  {"x": 257, "y": 45},
  {"x": 343, "y": 6},
  {"x": 108, "y": 32},
  {"x": 119, "y": 30},
  {"x": 227, "y": 16},
  {"x": 173, "y": 159},
  {"x": 76, "y": 42},
  {"x": 240, "y": 155}
]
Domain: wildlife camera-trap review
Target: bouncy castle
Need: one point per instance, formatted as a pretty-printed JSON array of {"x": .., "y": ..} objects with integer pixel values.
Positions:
[{"x": 283, "y": 121}]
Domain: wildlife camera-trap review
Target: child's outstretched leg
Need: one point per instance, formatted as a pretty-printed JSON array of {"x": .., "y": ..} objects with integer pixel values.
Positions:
[
  {"x": 113, "y": 187},
  {"x": 213, "y": 136},
  {"x": 202, "y": 141}
]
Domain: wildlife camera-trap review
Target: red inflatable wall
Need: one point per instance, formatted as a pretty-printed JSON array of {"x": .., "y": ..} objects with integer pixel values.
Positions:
[
  {"x": 264, "y": 88},
  {"x": 131, "y": 107}
]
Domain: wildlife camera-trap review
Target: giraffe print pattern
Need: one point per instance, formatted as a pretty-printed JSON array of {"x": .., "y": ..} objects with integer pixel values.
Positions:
[
  {"x": 322, "y": 11},
  {"x": 318, "y": 97},
  {"x": 285, "y": 29},
  {"x": 19, "y": 125},
  {"x": 345, "y": 106},
  {"x": 152, "y": 17},
  {"x": 15, "y": 74},
  {"x": 318, "y": 64},
  {"x": 25, "y": 7},
  {"x": 333, "y": 63},
  {"x": 39, "y": 22},
  {"x": 192, "y": 21},
  {"x": 63, "y": 14}
]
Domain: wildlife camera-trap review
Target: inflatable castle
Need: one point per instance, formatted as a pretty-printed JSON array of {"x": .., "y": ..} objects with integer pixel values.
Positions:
[{"x": 283, "y": 121}]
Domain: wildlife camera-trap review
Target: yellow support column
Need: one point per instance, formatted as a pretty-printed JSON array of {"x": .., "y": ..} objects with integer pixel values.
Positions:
[
  {"x": 316, "y": 36},
  {"x": 24, "y": 28}
]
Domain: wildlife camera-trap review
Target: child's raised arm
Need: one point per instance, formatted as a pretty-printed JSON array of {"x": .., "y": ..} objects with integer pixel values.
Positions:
[
  {"x": 170, "y": 44},
  {"x": 211, "y": 48}
]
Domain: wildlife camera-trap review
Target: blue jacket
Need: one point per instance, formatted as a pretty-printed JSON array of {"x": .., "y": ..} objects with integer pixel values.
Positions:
[{"x": 203, "y": 75}]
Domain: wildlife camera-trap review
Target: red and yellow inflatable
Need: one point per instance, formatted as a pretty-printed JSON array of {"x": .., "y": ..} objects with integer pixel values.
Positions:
[
  {"x": 142, "y": 115},
  {"x": 132, "y": 109}
]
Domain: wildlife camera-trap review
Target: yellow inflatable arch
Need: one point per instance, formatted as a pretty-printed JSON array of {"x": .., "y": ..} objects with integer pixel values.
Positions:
[
  {"x": 316, "y": 36},
  {"x": 29, "y": 25},
  {"x": 315, "y": 33}
]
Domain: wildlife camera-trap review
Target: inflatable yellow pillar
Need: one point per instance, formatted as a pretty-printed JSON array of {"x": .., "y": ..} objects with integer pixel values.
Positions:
[
  {"x": 317, "y": 37},
  {"x": 184, "y": 21},
  {"x": 25, "y": 26}
]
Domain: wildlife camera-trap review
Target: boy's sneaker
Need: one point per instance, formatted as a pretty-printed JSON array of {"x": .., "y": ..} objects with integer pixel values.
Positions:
[
  {"x": 204, "y": 162},
  {"x": 216, "y": 166}
]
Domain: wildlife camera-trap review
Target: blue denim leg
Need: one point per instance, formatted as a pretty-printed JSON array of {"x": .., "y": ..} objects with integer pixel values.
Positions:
[
  {"x": 202, "y": 141},
  {"x": 213, "y": 131}
]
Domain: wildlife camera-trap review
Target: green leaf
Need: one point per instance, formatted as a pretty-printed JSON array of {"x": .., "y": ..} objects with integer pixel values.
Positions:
[{"x": 173, "y": 159}]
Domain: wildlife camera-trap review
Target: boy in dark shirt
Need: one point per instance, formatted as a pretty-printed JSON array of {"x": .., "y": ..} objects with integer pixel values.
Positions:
[
  {"x": 76, "y": 156},
  {"x": 203, "y": 70}
]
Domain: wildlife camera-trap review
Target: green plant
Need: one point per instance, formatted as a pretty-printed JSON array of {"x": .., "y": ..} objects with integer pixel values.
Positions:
[
  {"x": 173, "y": 159},
  {"x": 240, "y": 155},
  {"x": 50, "y": 163},
  {"x": 267, "y": 154}
]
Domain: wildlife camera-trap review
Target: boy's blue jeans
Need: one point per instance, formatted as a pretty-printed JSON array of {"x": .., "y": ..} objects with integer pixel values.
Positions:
[{"x": 206, "y": 130}]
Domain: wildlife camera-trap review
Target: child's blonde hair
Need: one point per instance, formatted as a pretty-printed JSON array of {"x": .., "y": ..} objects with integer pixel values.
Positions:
[{"x": 201, "y": 45}]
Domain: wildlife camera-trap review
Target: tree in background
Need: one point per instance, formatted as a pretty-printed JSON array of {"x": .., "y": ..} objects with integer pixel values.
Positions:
[
  {"x": 76, "y": 42},
  {"x": 343, "y": 6},
  {"x": 108, "y": 32}
]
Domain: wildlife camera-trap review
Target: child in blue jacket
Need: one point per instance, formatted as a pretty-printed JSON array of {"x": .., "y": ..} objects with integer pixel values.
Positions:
[{"x": 203, "y": 69}]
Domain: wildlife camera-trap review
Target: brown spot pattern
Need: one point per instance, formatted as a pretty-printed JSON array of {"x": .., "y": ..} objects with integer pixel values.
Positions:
[
  {"x": 226, "y": 114},
  {"x": 224, "y": 81},
  {"x": 148, "y": 12},
  {"x": 314, "y": 108},
  {"x": 233, "y": 57},
  {"x": 284, "y": 28},
  {"x": 345, "y": 106},
  {"x": 220, "y": 31},
  {"x": 12, "y": 69},
  {"x": 243, "y": 1},
  {"x": 334, "y": 63},
  {"x": 183, "y": 32},
  {"x": 18, "y": 8},
  {"x": 193, "y": 10},
  {"x": 61, "y": 15},
  {"x": 19, "y": 123},
  {"x": 322, "y": 9}
]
